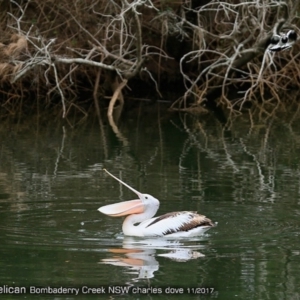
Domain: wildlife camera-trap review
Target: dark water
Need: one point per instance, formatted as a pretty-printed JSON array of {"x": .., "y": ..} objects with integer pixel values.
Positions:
[{"x": 246, "y": 178}]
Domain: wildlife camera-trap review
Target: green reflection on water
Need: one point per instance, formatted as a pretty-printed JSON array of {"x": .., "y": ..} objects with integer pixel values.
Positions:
[{"x": 246, "y": 178}]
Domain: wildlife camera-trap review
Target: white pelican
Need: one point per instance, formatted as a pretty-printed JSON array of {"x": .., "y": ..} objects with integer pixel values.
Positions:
[{"x": 175, "y": 224}]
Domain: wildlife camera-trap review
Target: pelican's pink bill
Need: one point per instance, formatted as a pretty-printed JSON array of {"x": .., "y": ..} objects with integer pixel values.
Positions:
[
  {"x": 123, "y": 208},
  {"x": 128, "y": 186}
]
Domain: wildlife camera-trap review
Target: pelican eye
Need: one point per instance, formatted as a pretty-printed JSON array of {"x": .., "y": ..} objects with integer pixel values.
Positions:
[{"x": 146, "y": 197}]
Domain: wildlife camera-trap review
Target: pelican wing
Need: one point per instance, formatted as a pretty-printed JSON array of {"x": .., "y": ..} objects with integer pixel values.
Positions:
[{"x": 175, "y": 222}]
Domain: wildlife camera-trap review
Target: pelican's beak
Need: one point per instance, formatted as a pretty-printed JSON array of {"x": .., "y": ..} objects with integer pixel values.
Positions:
[
  {"x": 128, "y": 186},
  {"x": 123, "y": 208}
]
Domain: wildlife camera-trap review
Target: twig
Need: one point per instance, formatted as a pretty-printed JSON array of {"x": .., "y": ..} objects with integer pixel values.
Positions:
[{"x": 116, "y": 95}]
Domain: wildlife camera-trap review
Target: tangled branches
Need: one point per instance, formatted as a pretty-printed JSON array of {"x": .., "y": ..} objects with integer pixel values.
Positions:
[
  {"x": 112, "y": 43},
  {"x": 209, "y": 48},
  {"x": 231, "y": 53}
]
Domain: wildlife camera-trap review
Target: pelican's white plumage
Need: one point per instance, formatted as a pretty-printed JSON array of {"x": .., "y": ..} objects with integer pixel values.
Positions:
[{"x": 142, "y": 210}]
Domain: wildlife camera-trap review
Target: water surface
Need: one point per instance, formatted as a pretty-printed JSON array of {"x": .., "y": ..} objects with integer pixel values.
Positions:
[{"x": 245, "y": 177}]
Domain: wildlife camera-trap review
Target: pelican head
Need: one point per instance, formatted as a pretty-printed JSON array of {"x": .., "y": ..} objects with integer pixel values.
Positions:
[{"x": 146, "y": 205}]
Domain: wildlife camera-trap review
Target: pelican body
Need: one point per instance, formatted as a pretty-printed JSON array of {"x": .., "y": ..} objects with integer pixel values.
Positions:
[{"x": 142, "y": 210}]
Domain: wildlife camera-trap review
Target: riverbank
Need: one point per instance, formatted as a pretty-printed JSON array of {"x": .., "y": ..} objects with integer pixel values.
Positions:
[{"x": 94, "y": 56}]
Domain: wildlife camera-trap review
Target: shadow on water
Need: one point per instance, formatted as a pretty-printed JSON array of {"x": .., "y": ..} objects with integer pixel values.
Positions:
[{"x": 245, "y": 177}]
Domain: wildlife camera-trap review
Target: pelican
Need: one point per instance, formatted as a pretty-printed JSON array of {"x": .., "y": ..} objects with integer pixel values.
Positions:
[{"x": 142, "y": 210}]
